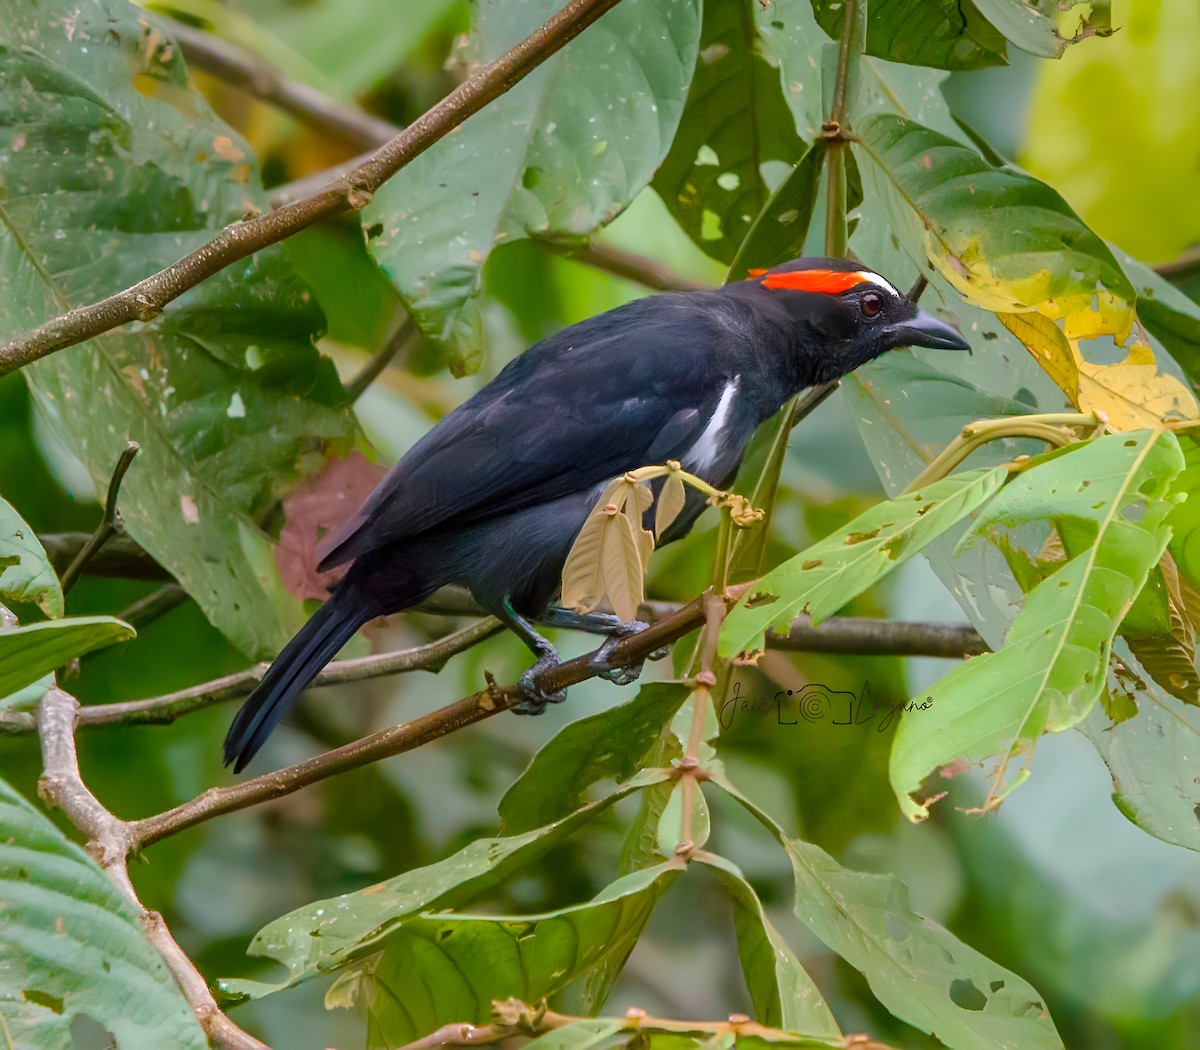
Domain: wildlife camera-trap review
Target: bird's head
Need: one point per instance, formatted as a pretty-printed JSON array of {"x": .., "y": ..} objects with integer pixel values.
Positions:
[{"x": 847, "y": 315}]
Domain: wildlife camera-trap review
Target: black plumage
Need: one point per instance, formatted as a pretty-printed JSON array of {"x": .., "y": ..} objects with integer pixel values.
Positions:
[{"x": 494, "y": 495}]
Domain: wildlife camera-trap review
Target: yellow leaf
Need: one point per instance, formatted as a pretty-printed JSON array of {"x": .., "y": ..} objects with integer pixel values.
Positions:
[
  {"x": 1129, "y": 395},
  {"x": 670, "y": 502},
  {"x": 1049, "y": 347}
]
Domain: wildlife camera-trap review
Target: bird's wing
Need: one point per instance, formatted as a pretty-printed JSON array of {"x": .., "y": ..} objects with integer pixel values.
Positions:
[{"x": 573, "y": 411}]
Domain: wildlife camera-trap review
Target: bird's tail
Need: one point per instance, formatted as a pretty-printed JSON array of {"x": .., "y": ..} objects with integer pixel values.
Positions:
[{"x": 317, "y": 642}]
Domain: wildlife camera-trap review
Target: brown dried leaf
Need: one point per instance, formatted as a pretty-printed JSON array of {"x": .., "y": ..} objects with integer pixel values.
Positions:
[
  {"x": 622, "y": 567},
  {"x": 583, "y": 576},
  {"x": 670, "y": 502}
]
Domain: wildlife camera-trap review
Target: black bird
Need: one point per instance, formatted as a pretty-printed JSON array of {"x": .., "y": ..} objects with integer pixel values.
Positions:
[{"x": 493, "y": 497}]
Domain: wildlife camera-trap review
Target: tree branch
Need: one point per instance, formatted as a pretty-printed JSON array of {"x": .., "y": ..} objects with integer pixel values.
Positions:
[
  {"x": 379, "y": 361},
  {"x": 109, "y": 525},
  {"x": 109, "y": 842},
  {"x": 847, "y": 635},
  {"x": 395, "y": 740},
  {"x": 631, "y": 266},
  {"x": 146, "y": 299},
  {"x": 262, "y": 80}
]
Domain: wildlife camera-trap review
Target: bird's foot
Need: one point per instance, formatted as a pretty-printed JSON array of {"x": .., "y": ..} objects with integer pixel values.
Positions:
[
  {"x": 618, "y": 675},
  {"x": 535, "y": 697}
]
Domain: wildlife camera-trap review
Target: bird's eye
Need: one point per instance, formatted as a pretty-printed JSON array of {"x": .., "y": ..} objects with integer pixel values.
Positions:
[{"x": 870, "y": 304}]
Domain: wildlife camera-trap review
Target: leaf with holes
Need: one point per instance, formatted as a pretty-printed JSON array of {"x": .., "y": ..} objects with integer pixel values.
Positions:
[
  {"x": 784, "y": 995},
  {"x": 73, "y": 947},
  {"x": 736, "y": 118},
  {"x": 26, "y": 574},
  {"x": 331, "y": 934},
  {"x": 1048, "y": 27},
  {"x": 438, "y": 969},
  {"x": 1051, "y": 670},
  {"x": 1004, "y": 240},
  {"x": 825, "y": 576},
  {"x": 919, "y": 970},
  {"x": 224, "y": 390},
  {"x": 553, "y": 158}
]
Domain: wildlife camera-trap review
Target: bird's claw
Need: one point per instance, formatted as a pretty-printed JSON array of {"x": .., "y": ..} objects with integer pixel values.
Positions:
[
  {"x": 535, "y": 697},
  {"x": 602, "y": 658}
]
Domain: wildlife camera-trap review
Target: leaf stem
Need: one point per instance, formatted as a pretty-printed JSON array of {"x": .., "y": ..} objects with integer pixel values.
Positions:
[{"x": 975, "y": 435}]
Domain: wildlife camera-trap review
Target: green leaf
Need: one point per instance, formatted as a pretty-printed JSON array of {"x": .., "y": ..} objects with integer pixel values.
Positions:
[
  {"x": 948, "y": 34},
  {"x": 823, "y": 578},
  {"x": 330, "y": 934},
  {"x": 1052, "y": 668},
  {"x": 781, "y": 228},
  {"x": 1152, "y": 760},
  {"x": 72, "y": 947},
  {"x": 552, "y": 158},
  {"x": 224, "y": 391},
  {"x": 26, "y": 574},
  {"x": 919, "y": 970},
  {"x": 608, "y": 745},
  {"x": 27, "y": 653},
  {"x": 1168, "y": 313},
  {"x": 439, "y": 969},
  {"x": 1185, "y": 518},
  {"x": 784, "y": 995},
  {"x": 1002, "y": 239},
  {"x": 794, "y": 42},
  {"x": 1036, "y": 25},
  {"x": 736, "y": 118}
]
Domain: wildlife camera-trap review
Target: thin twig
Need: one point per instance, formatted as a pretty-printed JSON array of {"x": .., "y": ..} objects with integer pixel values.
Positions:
[
  {"x": 146, "y": 299},
  {"x": 109, "y": 525},
  {"x": 158, "y": 602},
  {"x": 847, "y": 635},
  {"x": 251, "y": 73},
  {"x": 373, "y": 368},
  {"x": 633, "y": 267},
  {"x": 109, "y": 842},
  {"x": 627, "y": 651},
  {"x": 121, "y": 558}
]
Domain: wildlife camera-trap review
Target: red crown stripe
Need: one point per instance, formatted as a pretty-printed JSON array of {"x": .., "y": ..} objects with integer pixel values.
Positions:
[{"x": 826, "y": 282}]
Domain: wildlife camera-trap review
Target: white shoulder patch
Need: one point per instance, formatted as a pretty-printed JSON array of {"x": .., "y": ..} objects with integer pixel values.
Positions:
[{"x": 704, "y": 452}]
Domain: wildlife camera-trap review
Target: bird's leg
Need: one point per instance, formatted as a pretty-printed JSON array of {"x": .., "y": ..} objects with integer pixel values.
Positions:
[
  {"x": 603, "y": 623},
  {"x": 536, "y": 698}
]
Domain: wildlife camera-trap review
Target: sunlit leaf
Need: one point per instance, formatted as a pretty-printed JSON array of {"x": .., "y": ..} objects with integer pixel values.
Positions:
[
  {"x": 1051, "y": 670},
  {"x": 825, "y": 576},
  {"x": 72, "y": 947},
  {"x": 1048, "y": 27},
  {"x": 224, "y": 391},
  {"x": 670, "y": 502},
  {"x": 1004, "y": 240},
  {"x": 553, "y": 158},
  {"x": 26, "y": 574}
]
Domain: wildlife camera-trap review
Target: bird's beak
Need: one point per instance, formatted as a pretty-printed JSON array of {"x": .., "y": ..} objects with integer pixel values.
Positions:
[{"x": 927, "y": 330}]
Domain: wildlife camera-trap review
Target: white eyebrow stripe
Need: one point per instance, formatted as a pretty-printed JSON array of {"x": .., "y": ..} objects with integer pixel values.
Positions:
[
  {"x": 704, "y": 451},
  {"x": 875, "y": 279}
]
